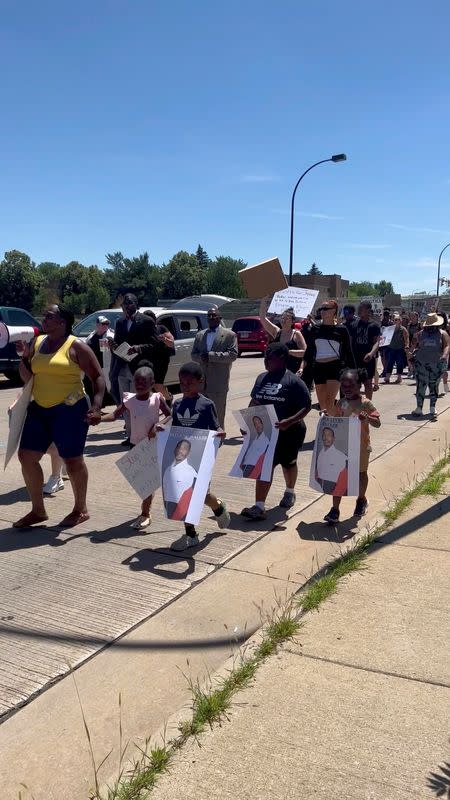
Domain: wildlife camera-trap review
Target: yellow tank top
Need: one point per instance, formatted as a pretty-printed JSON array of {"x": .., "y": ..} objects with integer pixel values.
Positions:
[{"x": 57, "y": 379}]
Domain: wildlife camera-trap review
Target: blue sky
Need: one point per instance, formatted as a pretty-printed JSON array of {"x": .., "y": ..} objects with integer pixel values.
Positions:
[{"x": 148, "y": 125}]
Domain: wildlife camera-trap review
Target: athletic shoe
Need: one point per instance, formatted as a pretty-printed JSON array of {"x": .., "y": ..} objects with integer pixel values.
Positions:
[
  {"x": 142, "y": 522},
  {"x": 433, "y": 411},
  {"x": 288, "y": 500},
  {"x": 223, "y": 519},
  {"x": 185, "y": 542},
  {"x": 417, "y": 412},
  {"x": 332, "y": 516},
  {"x": 360, "y": 508},
  {"x": 255, "y": 512},
  {"x": 53, "y": 485},
  {"x": 125, "y": 443}
]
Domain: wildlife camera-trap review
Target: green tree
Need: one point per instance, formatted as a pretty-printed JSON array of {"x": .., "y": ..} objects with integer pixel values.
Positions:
[
  {"x": 223, "y": 276},
  {"x": 182, "y": 276},
  {"x": 383, "y": 288},
  {"x": 19, "y": 280},
  {"x": 48, "y": 276},
  {"x": 361, "y": 289},
  {"x": 97, "y": 295},
  {"x": 314, "y": 270},
  {"x": 135, "y": 275},
  {"x": 202, "y": 257}
]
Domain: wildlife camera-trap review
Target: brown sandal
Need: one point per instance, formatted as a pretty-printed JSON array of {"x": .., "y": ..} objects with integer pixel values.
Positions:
[
  {"x": 74, "y": 518},
  {"x": 30, "y": 519}
]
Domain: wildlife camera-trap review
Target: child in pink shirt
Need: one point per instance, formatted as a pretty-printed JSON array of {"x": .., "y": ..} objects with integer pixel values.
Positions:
[{"x": 144, "y": 407}]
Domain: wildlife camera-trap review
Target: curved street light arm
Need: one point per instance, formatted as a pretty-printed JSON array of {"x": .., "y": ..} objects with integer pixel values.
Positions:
[{"x": 439, "y": 267}]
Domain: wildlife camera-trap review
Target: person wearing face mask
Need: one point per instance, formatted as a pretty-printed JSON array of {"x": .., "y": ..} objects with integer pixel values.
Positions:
[
  {"x": 287, "y": 334},
  {"x": 328, "y": 352}
]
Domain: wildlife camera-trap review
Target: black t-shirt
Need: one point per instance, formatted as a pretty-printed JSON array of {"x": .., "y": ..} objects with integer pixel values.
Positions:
[
  {"x": 285, "y": 391},
  {"x": 363, "y": 336},
  {"x": 195, "y": 412}
]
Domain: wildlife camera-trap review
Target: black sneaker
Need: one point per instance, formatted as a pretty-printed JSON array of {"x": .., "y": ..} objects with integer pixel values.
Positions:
[
  {"x": 125, "y": 443},
  {"x": 332, "y": 516},
  {"x": 360, "y": 508}
]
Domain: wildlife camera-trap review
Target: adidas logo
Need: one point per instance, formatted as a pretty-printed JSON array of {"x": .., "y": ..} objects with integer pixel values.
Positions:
[{"x": 186, "y": 419}]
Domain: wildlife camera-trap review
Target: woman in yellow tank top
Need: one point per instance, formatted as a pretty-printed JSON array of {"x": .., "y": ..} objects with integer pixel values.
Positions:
[{"x": 59, "y": 412}]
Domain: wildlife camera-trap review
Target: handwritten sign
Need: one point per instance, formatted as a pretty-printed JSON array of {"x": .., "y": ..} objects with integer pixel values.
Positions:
[
  {"x": 17, "y": 416},
  {"x": 140, "y": 467},
  {"x": 301, "y": 300},
  {"x": 386, "y": 335},
  {"x": 376, "y": 303}
]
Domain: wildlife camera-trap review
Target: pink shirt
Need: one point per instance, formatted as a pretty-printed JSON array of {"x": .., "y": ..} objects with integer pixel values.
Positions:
[{"x": 144, "y": 414}]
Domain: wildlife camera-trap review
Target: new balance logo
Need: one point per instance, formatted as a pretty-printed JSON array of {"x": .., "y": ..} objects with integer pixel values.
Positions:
[{"x": 271, "y": 389}]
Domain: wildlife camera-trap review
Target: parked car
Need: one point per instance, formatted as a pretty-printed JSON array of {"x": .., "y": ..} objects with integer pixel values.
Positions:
[
  {"x": 203, "y": 302},
  {"x": 9, "y": 360},
  {"x": 251, "y": 335},
  {"x": 183, "y": 324}
]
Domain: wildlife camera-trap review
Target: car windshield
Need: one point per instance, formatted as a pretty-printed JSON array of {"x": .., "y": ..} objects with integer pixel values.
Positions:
[{"x": 87, "y": 325}]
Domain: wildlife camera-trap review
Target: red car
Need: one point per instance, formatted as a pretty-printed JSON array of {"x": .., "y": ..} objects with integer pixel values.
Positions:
[{"x": 251, "y": 336}]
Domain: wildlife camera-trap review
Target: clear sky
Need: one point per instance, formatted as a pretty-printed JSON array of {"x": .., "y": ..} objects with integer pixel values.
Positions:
[{"x": 153, "y": 125}]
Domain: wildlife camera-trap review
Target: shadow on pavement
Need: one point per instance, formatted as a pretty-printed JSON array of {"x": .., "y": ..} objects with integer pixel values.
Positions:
[
  {"x": 322, "y": 532},
  {"x": 105, "y": 434},
  {"x": 233, "y": 441},
  {"x": 153, "y": 561},
  {"x": 92, "y": 450},
  {"x": 14, "y": 496},
  {"x": 435, "y": 512},
  {"x": 125, "y": 531},
  {"x": 26, "y": 538},
  {"x": 439, "y": 783}
]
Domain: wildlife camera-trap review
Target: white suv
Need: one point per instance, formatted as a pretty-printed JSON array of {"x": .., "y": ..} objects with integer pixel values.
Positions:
[{"x": 183, "y": 324}]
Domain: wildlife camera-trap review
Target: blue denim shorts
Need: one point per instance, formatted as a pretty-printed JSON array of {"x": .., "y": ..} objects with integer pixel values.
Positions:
[{"x": 64, "y": 425}]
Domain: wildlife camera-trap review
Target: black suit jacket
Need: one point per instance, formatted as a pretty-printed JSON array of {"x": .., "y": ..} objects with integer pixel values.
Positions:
[{"x": 142, "y": 335}]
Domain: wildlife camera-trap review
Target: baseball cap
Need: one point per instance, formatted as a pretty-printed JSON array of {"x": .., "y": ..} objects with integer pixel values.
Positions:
[{"x": 102, "y": 320}]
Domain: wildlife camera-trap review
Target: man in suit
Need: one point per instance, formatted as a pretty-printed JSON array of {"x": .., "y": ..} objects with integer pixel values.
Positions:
[
  {"x": 216, "y": 349},
  {"x": 139, "y": 331}
]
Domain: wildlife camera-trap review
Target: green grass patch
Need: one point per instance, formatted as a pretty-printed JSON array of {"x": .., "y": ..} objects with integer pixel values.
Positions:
[{"x": 430, "y": 485}]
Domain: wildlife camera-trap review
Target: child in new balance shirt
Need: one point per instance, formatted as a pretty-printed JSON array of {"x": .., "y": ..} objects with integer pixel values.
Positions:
[{"x": 194, "y": 410}]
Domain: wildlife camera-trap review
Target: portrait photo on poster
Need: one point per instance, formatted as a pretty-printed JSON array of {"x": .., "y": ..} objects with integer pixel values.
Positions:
[
  {"x": 187, "y": 462},
  {"x": 335, "y": 459},
  {"x": 255, "y": 458}
]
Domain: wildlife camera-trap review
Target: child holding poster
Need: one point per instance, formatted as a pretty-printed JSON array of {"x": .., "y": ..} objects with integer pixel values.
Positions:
[
  {"x": 352, "y": 404},
  {"x": 194, "y": 410},
  {"x": 144, "y": 407}
]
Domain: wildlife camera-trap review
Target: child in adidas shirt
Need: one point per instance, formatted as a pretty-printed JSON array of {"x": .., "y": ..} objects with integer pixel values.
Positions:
[{"x": 194, "y": 410}]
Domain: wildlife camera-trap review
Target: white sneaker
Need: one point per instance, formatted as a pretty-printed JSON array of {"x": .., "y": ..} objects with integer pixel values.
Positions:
[
  {"x": 417, "y": 412},
  {"x": 185, "y": 542},
  {"x": 224, "y": 519},
  {"x": 53, "y": 485},
  {"x": 432, "y": 411}
]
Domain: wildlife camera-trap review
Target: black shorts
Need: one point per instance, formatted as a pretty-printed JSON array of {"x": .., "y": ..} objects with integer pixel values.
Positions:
[
  {"x": 330, "y": 371},
  {"x": 288, "y": 444},
  {"x": 62, "y": 424},
  {"x": 369, "y": 366}
]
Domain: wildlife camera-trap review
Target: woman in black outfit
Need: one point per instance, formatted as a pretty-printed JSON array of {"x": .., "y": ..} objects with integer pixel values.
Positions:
[
  {"x": 328, "y": 352},
  {"x": 288, "y": 335}
]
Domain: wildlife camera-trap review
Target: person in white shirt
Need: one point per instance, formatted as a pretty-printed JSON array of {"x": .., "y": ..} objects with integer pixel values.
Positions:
[
  {"x": 251, "y": 464},
  {"x": 178, "y": 482},
  {"x": 330, "y": 462}
]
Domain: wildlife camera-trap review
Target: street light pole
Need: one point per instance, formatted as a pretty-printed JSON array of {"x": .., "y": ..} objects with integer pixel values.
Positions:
[
  {"x": 335, "y": 159},
  {"x": 439, "y": 268}
]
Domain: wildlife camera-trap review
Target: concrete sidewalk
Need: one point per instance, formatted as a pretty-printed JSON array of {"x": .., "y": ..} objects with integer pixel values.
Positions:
[{"x": 359, "y": 706}]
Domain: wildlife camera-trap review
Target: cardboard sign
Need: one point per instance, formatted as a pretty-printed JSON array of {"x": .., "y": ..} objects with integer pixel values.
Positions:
[
  {"x": 140, "y": 468},
  {"x": 335, "y": 461},
  {"x": 255, "y": 459},
  {"x": 386, "y": 335},
  {"x": 376, "y": 303},
  {"x": 17, "y": 416},
  {"x": 301, "y": 300},
  {"x": 263, "y": 279}
]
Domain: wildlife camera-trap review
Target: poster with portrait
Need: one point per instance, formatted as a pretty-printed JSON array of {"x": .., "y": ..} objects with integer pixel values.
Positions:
[
  {"x": 255, "y": 459},
  {"x": 387, "y": 332},
  {"x": 187, "y": 458},
  {"x": 335, "y": 460}
]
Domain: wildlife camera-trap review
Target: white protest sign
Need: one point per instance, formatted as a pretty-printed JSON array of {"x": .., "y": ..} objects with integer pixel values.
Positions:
[
  {"x": 301, "y": 300},
  {"x": 335, "y": 460},
  {"x": 122, "y": 352},
  {"x": 386, "y": 336},
  {"x": 255, "y": 459},
  {"x": 376, "y": 303},
  {"x": 17, "y": 417},
  {"x": 140, "y": 467}
]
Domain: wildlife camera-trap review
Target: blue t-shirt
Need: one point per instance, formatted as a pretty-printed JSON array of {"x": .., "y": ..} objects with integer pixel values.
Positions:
[{"x": 195, "y": 412}]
